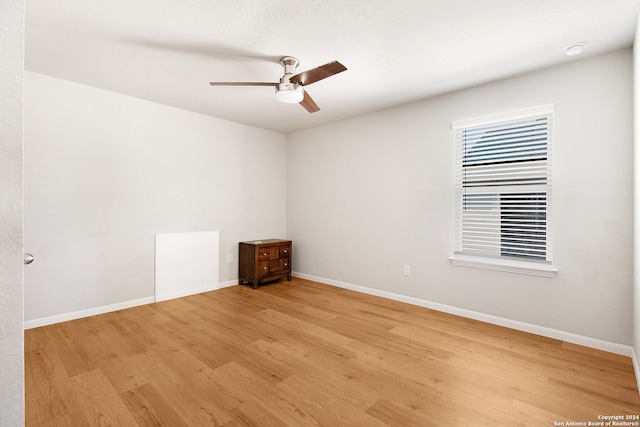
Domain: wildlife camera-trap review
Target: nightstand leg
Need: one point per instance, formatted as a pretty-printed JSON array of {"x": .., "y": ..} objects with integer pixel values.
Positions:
[{"x": 254, "y": 284}]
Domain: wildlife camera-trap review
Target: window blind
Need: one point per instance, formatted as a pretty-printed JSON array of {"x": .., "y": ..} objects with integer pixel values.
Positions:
[{"x": 503, "y": 186}]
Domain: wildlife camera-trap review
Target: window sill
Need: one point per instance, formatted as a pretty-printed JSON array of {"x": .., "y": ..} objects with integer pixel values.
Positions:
[{"x": 511, "y": 266}]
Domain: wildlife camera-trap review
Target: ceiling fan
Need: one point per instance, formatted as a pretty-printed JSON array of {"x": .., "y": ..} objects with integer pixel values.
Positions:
[{"x": 290, "y": 88}]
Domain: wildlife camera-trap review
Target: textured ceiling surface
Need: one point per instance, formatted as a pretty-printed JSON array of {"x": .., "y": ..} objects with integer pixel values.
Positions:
[{"x": 396, "y": 52}]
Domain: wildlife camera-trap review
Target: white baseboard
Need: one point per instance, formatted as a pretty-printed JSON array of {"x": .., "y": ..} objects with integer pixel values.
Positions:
[
  {"x": 616, "y": 348},
  {"x": 636, "y": 367},
  {"x": 228, "y": 283},
  {"x": 65, "y": 317},
  {"x": 187, "y": 292}
]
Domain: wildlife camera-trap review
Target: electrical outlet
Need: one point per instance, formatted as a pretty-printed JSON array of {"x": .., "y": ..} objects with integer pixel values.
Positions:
[
  {"x": 230, "y": 258},
  {"x": 406, "y": 270}
]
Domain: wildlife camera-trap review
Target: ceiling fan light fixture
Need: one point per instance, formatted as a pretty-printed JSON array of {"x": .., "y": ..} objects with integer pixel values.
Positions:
[
  {"x": 290, "y": 95},
  {"x": 289, "y": 90}
]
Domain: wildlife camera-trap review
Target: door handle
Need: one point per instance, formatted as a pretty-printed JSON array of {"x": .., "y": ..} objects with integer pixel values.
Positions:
[{"x": 28, "y": 258}]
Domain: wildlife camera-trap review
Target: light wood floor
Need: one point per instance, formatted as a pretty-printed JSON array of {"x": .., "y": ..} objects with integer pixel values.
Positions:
[{"x": 302, "y": 353}]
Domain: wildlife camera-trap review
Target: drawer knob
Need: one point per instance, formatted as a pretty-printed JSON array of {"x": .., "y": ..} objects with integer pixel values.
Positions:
[
  {"x": 264, "y": 268},
  {"x": 285, "y": 264},
  {"x": 286, "y": 251},
  {"x": 264, "y": 253}
]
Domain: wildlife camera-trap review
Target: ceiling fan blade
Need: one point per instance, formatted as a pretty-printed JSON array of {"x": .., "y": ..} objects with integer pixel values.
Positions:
[
  {"x": 242, "y": 84},
  {"x": 309, "y": 104},
  {"x": 322, "y": 72},
  {"x": 178, "y": 45}
]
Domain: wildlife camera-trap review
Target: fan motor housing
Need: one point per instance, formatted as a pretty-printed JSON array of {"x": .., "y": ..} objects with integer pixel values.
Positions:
[{"x": 290, "y": 64}]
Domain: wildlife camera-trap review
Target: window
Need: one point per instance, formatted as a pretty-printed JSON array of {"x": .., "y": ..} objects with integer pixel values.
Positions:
[{"x": 503, "y": 192}]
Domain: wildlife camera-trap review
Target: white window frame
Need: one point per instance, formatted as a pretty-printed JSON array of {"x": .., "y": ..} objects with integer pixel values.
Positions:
[{"x": 513, "y": 264}]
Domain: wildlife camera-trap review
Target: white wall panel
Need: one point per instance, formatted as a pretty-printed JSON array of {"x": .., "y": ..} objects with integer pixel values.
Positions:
[{"x": 186, "y": 264}]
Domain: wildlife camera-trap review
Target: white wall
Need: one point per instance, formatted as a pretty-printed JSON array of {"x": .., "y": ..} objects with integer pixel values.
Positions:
[
  {"x": 105, "y": 172},
  {"x": 367, "y": 195},
  {"x": 11, "y": 209}
]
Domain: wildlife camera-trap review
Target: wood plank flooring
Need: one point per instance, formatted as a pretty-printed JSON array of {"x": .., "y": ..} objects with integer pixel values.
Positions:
[{"x": 302, "y": 353}]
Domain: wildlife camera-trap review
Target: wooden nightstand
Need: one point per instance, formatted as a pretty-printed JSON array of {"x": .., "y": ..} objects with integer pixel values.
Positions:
[{"x": 262, "y": 260}]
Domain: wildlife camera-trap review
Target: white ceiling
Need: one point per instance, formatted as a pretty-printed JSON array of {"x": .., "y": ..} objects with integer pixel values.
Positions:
[{"x": 396, "y": 52}]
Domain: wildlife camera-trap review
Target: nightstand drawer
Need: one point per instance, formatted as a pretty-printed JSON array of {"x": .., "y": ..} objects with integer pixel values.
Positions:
[
  {"x": 284, "y": 251},
  {"x": 278, "y": 265},
  {"x": 265, "y": 253},
  {"x": 263, "y": 268},
  {"x": 274, "y": 266}
]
